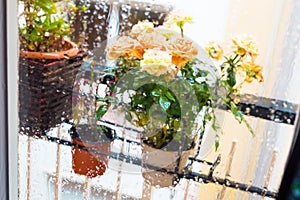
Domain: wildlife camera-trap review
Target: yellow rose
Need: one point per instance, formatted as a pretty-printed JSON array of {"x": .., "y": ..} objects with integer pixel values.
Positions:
[
  {"x": 125, "y": 46},
  {"x": 253, "y": 71},
  {"x": 179, "y": 18},
  {"x": 214, "y": 50},
  {"x": 244, "y": 44},
  {"x": 183, "y": 51}
]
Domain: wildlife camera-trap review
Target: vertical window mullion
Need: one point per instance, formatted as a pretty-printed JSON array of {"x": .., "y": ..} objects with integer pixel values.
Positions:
[{"x": 11, "y": 73}]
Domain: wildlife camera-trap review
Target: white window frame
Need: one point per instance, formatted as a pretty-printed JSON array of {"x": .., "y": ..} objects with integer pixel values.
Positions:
[{"x": 12, "y": 88}]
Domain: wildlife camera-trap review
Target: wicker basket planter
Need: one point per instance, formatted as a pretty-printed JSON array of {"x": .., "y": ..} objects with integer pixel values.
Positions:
[{"x": 45, "y": 88}]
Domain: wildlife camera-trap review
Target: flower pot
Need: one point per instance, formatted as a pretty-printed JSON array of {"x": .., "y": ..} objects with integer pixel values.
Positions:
[
  {"x": 161, "y": 166},
  {"x": 45, "y": 89},
  {"x": 87, "y": 163},
  {"x": 93, "y": 160},
  {"x": 70, "y": 51}
]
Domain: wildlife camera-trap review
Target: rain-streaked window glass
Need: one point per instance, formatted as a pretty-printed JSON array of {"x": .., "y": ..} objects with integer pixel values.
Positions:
[{"x": 156, "y": 99}]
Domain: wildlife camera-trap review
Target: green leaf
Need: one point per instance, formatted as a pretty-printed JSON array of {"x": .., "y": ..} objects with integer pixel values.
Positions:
[
  {"x": 207, "y": 116},
  {"x": 47, "y": 6},
  {"x": 84, "y": 8},
  {"x": 34, "y": 36},
  {"x": 176, "y": 124},
  {"x": 53, "y": 26},
  {"x": 236, "y": 112},
  {"x": 217, "y": 142},
  {"x": 217, "y": 145},
  {"x": 215, "y": 125},
  {"x": 47, "y": 22},
  {"x": 101, "y": 111},
  {"x": 240, "y": 117},
  {"x": 249, "y": 127},
  {"x": 128, "y": 116},
  {"x": 222, "y": 67},
  {"x": 200, "y": 87},
  {"x": 139, "y": 100},
  {"x": 156, "y": 92},
  {"x": 231, "y": 78},
  {"x": 164, "y": 102},
  {"x": 170, "y": 96}
]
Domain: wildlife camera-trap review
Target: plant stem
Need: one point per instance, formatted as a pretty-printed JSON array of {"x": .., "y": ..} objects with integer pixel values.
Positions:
[
  {"x": 28, "y": 18},
  {"x": 181, "y": 31},
  {"x": 234, "y": 59}
]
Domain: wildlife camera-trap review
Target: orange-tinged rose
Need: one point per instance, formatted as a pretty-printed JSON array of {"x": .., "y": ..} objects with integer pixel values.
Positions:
[
  {"x": 183, "y": 51},
  {"x": 142, "y": 27},
  {"x": 178, "y": 61},
  {"x": 153, "y": 40},
  {"x": 127, "y": 47}
]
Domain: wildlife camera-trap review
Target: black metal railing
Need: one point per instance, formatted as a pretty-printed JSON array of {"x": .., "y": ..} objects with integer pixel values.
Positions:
[{"x": 274, "y": 110}]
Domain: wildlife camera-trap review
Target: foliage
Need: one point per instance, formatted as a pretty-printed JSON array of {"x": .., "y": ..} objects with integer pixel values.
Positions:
[
  {"x": 166, "y": 57},
  {"x": 45, "y": 24}
]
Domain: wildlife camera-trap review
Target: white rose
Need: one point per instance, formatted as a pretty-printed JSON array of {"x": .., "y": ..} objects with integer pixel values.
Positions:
[{"x": 156, "y": 62}]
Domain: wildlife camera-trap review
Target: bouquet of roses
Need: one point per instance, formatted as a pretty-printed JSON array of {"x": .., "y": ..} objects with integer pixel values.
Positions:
[{"x": 169, "y": 81}]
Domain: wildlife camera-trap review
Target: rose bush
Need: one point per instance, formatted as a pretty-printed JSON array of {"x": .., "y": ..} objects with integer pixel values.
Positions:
[{"x": 157, "y": 54}]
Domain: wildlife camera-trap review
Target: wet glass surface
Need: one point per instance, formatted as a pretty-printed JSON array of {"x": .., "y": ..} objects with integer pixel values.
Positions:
[{"x": 68, "y": 150}]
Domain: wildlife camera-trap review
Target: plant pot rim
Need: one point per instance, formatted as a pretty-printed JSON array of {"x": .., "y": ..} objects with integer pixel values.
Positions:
[{"x": 73, "y": 51}]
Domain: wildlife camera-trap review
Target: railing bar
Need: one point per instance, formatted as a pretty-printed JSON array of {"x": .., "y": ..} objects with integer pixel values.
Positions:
[
  {"x": 200, "y": 161},
  {"x": 190, "y": 175},
  {"x": 121, "y": 126},
  {"x": 232, "y": 184},
  {"x": 28, "y": 167},
  {"x": 57, "y": 185},
  {"x": 275, "y": 110},
  {"x": 278, "y": 111}
]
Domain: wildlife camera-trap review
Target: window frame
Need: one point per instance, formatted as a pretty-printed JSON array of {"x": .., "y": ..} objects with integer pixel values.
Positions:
[
  {"x": 3, "y": 107},
  {"x": 12, "y": 100}
]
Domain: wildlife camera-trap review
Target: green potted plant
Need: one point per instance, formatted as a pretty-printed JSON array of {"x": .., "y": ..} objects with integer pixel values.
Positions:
[
  {"x": 171, "y": 88},
  {"x": 85, "y": 131},
  {"x": 48, "y": 64}
]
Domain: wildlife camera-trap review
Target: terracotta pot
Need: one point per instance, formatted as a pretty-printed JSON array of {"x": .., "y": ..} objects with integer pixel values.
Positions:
[
  {"x": 93, "y": 161},
  {"x": 88, "y": 163},
  {"x": 45, "y": 89}
]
